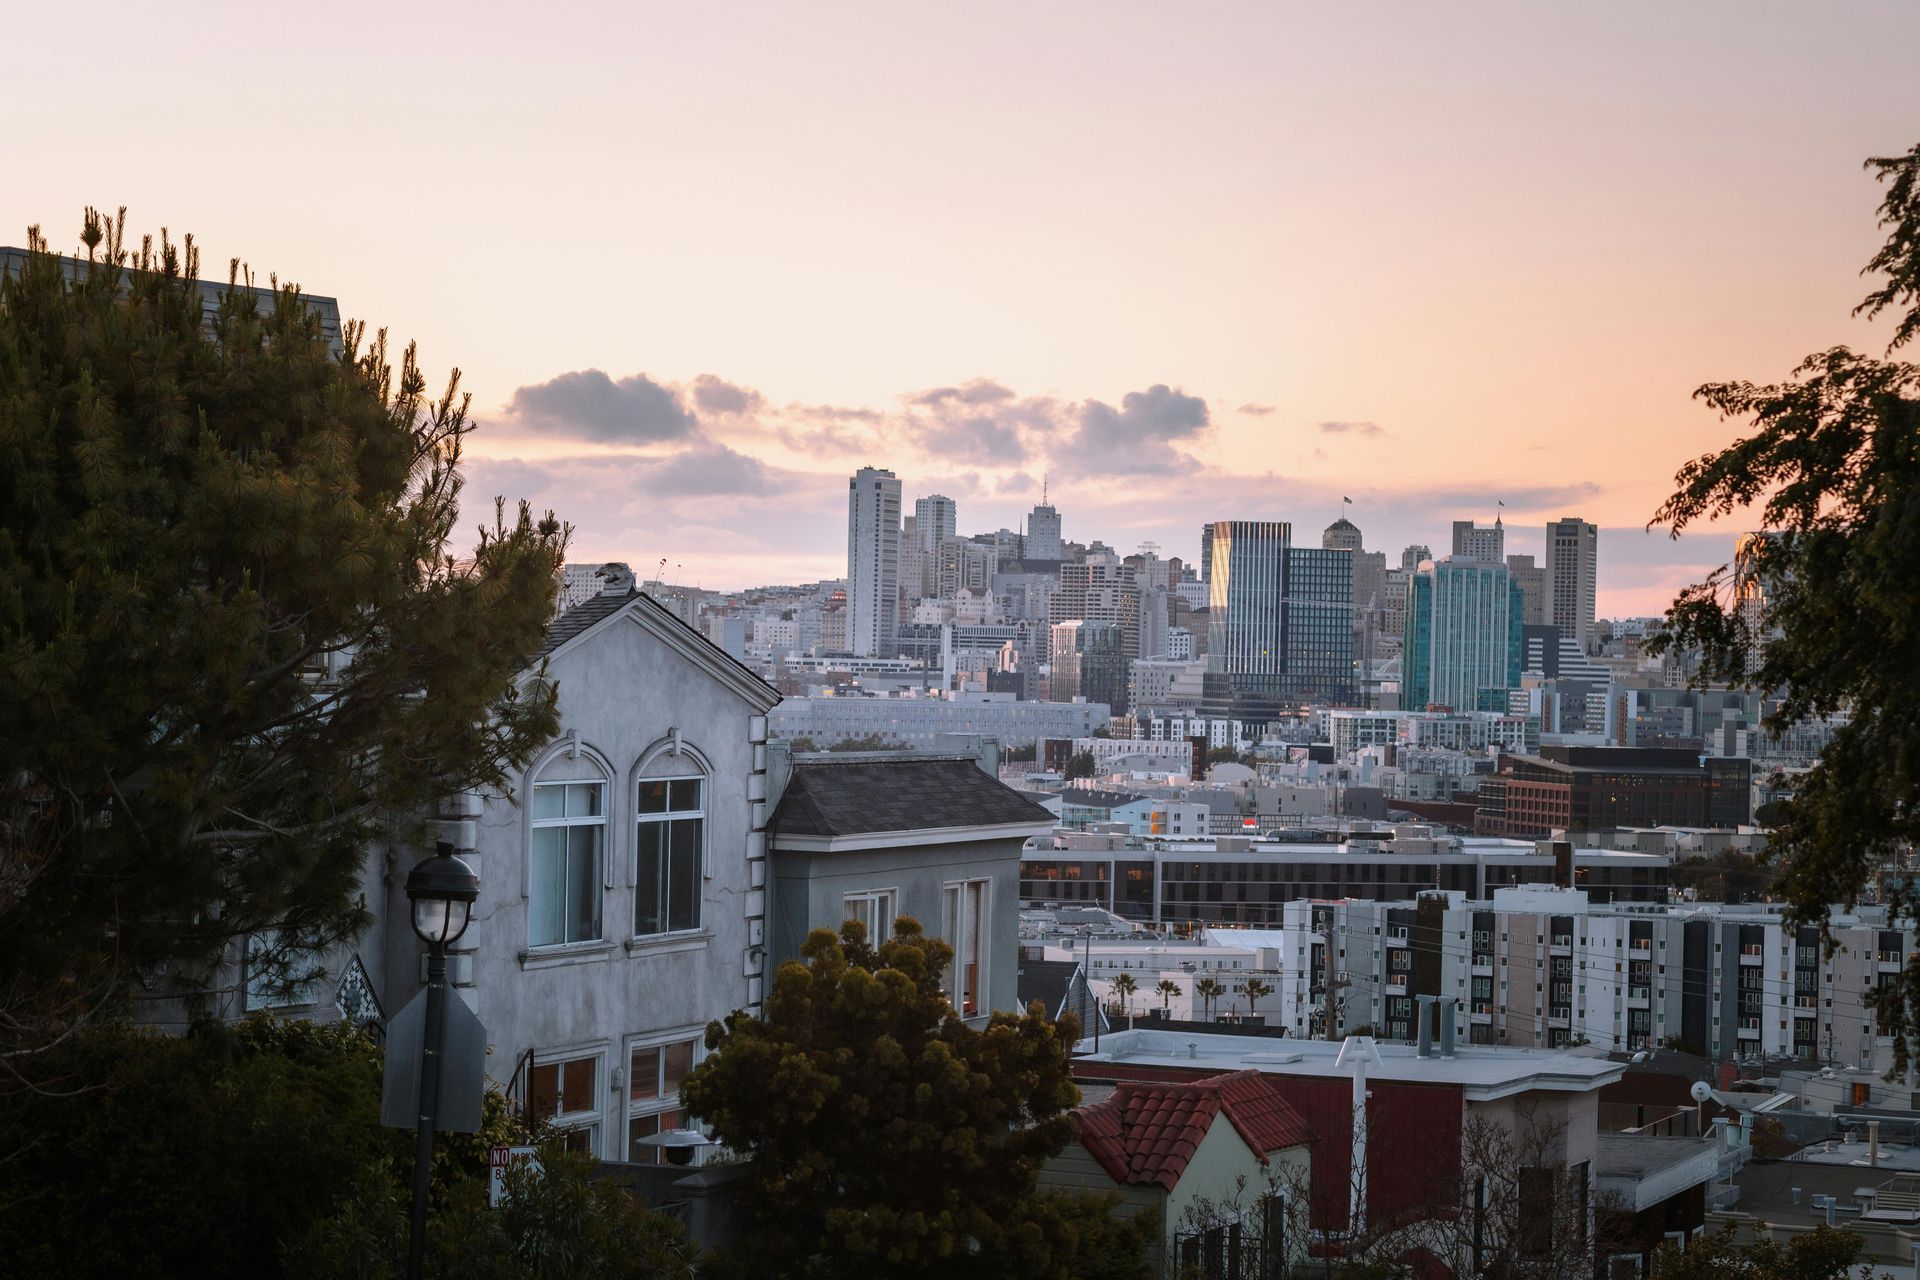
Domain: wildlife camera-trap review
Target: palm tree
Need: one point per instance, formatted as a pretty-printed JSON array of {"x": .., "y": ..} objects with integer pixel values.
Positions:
[
  {"x": 1207, "y": 989},
  {"x": 1253, "y": 991},
  {"x": 1124, "y": 987},
  {"x": 1168, "y": 989}
]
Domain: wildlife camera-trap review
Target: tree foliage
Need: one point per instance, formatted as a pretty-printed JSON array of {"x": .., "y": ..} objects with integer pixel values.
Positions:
[
  {"x": 1823, "y": 611},
  {"x": 1079, "y": 765},
  {"x": 203, "y": 512},
  {"x": 556, "y": 1223},
  {"x": 1821, "y": 1254},
  {"x": 256, "y": 1150},
  {"x": 886, "y": 1134}
]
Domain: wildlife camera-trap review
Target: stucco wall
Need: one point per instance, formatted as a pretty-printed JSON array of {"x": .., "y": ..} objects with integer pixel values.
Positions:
[
  {"x": 624, "y": 692},
  {"x": 809, "y": 892}
]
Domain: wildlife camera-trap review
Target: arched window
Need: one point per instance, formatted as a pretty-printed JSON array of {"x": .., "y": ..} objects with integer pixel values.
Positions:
[
  {"x": 670, "y": 842},
  {"x": 566, "y": 868}
]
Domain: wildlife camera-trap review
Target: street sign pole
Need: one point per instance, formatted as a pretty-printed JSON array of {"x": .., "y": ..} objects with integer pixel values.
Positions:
[{"x": 430, "y": 1056}]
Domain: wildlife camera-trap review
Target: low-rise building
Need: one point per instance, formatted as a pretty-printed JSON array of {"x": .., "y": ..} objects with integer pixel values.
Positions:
[
  {"x": 917, "y": 722},
  {"x": 1210, "y": 1162},
  {"x": 874, "y": 838}
]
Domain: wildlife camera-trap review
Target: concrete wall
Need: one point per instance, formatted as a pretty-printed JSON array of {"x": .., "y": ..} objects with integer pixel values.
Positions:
[{"x": 810, "y": 889}]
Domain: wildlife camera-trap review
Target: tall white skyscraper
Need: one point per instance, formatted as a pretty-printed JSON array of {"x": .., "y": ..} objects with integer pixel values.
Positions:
[
  {"x": 936, "y": 516},
  {"x": 1043, "y": 531},
  {"x": 1572, "y": 569},
  {"x": 873, "y": 562}
]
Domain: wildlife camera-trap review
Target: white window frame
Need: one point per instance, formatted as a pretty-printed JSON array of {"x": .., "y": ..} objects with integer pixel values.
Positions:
[
  {"x": 599, "y": 878},
  {"x": 661, "y": 1102},
  {"x": 591, "y": 1121},
  {"x": 964, "y": 913},
  {"x": 666, "y": 818},
  {"x": 300, "y": 996},
  {"x": 882, "y": 905}
]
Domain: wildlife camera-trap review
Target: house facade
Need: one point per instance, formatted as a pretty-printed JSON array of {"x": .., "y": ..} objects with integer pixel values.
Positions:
[
  {"x": 936, "y": 837},
  {"x": 1219, "y": 1165},
  {"x": 623, "y": 881}
]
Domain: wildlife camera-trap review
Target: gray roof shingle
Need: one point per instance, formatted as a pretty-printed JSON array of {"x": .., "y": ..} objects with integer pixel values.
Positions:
[{"x": 866, "y": 796}]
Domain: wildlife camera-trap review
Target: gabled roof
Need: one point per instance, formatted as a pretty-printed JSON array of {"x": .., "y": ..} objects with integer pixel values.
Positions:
[
  {"x": 666, "y": 626},
  {"x": 1060, "y": 988},
  {"x": 827, "y": 798},
  {"x": 1146, "y": 1134}
]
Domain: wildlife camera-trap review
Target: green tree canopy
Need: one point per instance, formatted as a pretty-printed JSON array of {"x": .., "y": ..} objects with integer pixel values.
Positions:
[
  {"x": 890, "y": 1137},
  {"x": 1079, "y": 765},
  {"x": 234, "y": 641},
  {"x": 1821, "y": 1254},
  {"x": 1823, "y": 608}
]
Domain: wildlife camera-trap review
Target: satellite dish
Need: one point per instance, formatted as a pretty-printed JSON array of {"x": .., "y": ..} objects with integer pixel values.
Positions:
[{"x": 1701, "y": 1091}]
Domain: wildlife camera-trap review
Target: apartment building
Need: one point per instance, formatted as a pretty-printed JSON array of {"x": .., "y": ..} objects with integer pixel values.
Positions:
[
  {"x": 1235, "y": 880},
  {"x": 1540, "y": 966}
]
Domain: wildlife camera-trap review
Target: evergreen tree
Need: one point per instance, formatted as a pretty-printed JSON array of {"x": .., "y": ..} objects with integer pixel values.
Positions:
[
  {"x": 234, "y": 642},
  {"x": 1823, "y": 610},
  {"x": 887, "y": 1135}
]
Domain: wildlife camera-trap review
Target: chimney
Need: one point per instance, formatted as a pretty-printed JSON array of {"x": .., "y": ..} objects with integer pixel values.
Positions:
[
  {"x": 779, "y": 770},
  {"x": 1426, "y": 1024},
  {"x": 1447, "y": 1010},
  {"x": 1873, "y": 1144}
]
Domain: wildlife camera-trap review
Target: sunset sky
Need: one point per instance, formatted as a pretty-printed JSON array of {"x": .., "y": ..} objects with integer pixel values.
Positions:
[{"x": 1190, "y": 261}]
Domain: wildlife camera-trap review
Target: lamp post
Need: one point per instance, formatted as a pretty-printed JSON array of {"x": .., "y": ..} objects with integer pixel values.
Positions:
[{"x": 442, "y": 890}]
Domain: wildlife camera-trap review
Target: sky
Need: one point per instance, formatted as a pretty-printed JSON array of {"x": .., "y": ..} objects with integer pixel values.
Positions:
[{"x": 698, "y": 262}]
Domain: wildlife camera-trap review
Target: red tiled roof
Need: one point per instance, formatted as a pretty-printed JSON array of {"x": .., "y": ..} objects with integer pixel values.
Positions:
[{"x": 1147, "y": 1132}]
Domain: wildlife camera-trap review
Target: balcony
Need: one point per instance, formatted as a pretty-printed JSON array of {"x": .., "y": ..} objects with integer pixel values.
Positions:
[
  {"x": 1639, "y": 997},
  {"x": 1752, "y": 956},
  {"x": 1889, "y": 962},
  {"x": 1482, "y": 1011},
  {"x": 1642, "y": 945},
  {"x": 1562, "y": 944},
  {"x": 1749, "y": 1029},
  {"x": 1482, "y": 968}
]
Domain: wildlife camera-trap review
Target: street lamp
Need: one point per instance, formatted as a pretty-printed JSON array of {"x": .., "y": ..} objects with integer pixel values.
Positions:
[
  {"x": 678, "y": 1146},
  {"x": 442, "y": 890}
]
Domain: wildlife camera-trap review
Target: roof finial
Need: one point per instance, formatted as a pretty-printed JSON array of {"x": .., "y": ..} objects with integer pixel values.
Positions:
[{"x": 1043, "y": 488}]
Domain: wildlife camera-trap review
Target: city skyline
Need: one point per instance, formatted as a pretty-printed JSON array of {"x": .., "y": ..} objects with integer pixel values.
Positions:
[{"x": 1237, "y": 264}]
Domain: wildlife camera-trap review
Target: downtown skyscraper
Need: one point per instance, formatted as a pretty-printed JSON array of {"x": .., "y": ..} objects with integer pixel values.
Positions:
[
  {"x": 1572, "y": 569},
  {"x": 873, "y": 562},
  {"x": 1280, "y": 622},
  {"x": 1463, "y": 635}
]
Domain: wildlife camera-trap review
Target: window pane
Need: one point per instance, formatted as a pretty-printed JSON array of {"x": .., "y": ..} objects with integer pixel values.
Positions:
[
  {"x": 642, "y": 1127},
  {"x": 678, "y": 1062},
  {"x": 653, "y": 797},
  {"x": 645, "y": 1127},
  {"x": 549, "y": 802},
  {"x": 546, "y": 906},
  {"x": 583, "y": 1140},
  {"x": 583, "y": 884},
  {"x": 684, "y": 794},
  {"x": 576, "y": 1085},
  {"x": 583, "y": 800},
  {"x": 683, "y": 876},
  {"x": 650, "y": 880},
  {"x": 643, "y": 1077},
  {"x": 543, "y": 1090}
]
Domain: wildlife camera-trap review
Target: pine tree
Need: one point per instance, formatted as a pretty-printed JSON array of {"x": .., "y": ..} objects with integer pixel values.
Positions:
[{"x": 234, "y": 642}]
